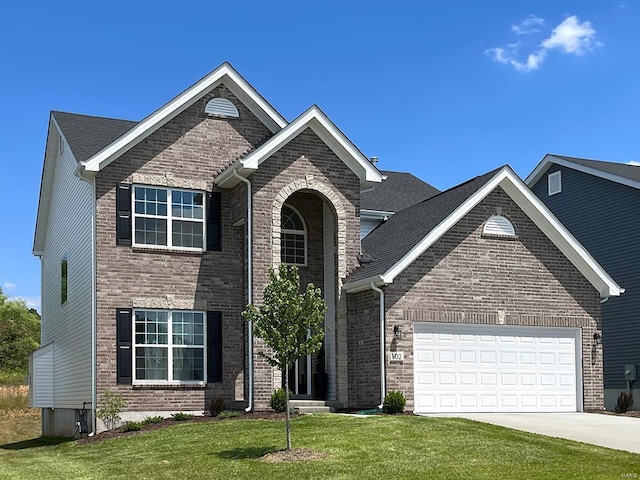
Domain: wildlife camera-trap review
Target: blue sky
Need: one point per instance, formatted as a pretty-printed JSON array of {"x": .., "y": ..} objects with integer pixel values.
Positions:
[{"x": 445, "y": 90}]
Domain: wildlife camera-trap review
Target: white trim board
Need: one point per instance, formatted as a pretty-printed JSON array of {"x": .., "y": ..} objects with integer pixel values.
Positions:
[
  {"x": 549, "y": 160},
  {"x": 320, "y": 124},
  {"x": 534, "y": 209}
]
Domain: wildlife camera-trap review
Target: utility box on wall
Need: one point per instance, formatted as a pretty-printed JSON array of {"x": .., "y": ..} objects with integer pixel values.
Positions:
[{"x": 630, "y": 373}]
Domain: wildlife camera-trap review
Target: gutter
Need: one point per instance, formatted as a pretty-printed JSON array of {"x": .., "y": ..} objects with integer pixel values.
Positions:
[
  {"x": 383, "y": 386},
  {"x": 249, "y": 283}
]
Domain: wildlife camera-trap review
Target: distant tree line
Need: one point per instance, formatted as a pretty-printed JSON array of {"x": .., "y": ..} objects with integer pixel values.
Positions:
[{"x": 19, "y": 334}]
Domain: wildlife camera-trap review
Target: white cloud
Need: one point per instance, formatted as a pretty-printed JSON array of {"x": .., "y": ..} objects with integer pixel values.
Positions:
[
  {"x": 634, "y": 162},
  {"x": 8, "y": 286},
  {"x": 570, "y": 36},
  {"x": 528, "y": 26}
]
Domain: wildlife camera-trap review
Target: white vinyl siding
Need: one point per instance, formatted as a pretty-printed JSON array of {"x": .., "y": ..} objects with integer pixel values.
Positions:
[
  {"x": 69, "y": 232},
  {"x": 41, "y": 378},
  {"x": 495, "y": 368},
  {"x": 368, "y": 224}
]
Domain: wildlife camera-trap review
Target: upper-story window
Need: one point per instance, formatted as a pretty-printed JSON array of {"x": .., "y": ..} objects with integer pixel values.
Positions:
[
  {"x": 293, "y": 237},
  {"x": 499, "y": 226},
  {"x": 168, "y": 218},
  {"x": 64, "y": 279},
  {"x": 555, "y": 182}
]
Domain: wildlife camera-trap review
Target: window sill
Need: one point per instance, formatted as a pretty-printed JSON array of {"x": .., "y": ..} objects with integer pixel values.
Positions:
[
  {"x": 168, "y": 386},
  {"x": 168, "y": 251}
]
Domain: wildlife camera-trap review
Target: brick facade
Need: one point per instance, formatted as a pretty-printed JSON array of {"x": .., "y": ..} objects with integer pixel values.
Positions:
[{"x": 467, "y": 278}]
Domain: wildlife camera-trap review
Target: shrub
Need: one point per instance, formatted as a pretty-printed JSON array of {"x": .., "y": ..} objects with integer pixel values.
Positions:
[
  {"x": 216, "y": 406},
  {"x": 131, "y": 426},
  {"x": 109, "y": 409},
  {"x": 625, "y": 401},
  {"x": 279, "y": 400},
  {"x": 394, "y": 402},
  {"x": 150, "y": 420},
  {"x": 180, "y": 416}
]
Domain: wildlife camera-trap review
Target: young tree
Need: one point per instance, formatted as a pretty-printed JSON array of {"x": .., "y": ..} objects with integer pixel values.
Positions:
[
  {"x": 19, "y": 334},
  {"x": 289, "y": 321}
]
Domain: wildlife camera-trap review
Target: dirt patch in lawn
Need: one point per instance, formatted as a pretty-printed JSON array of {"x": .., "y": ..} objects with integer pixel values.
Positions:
[
  {"x": 293, "y": 455},
  {"x": 168, "y": 422}
]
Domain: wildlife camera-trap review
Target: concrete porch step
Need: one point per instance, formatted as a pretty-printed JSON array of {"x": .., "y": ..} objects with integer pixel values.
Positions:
[{"x": 311, "y": 406}]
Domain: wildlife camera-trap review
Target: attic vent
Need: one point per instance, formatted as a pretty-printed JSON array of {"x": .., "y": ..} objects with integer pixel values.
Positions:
[
  {"x": 221, "y": 107},
  {"x": 555, "y": 182},
  {"x": 499, "y": 226}
]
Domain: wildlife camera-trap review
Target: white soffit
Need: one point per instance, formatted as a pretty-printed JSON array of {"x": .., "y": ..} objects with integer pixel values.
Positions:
[
  {"x": 223, "y": 74},
  {"x": 320, "y": 124}
]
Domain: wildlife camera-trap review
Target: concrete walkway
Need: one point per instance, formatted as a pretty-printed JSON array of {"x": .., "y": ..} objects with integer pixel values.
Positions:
[{"x": 620, "y": 433}]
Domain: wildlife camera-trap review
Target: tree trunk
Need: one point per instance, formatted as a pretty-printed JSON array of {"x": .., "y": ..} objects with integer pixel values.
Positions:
[{"x": 286, "y": 392}]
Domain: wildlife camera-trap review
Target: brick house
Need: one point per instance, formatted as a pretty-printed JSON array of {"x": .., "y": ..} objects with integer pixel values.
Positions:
[{"x": 154, "y": 235}]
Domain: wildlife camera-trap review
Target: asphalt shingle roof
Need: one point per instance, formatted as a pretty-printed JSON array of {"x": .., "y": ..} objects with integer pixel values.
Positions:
[
  {"x": 393, "y": 239},
  {"x": 632, "y": 172},
  {"x": 399, "y": 191},
  {"x": 88, "y": 135}
]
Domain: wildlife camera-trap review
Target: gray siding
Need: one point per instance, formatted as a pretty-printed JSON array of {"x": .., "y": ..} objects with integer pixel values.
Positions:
[
  {"x": 68, "y": 326},
  {"x": 603, "y": 216}
]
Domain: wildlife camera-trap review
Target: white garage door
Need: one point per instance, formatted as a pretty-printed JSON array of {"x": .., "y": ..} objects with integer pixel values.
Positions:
[{"x": 491, "y": 368}]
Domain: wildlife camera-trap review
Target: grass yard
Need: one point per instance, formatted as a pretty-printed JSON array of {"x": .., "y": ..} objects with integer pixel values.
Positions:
[{"x": 373, "y": 447}]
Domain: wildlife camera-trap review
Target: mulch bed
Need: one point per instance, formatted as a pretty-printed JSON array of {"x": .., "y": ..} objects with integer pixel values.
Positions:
[
  {"x": 168, "y": 422},
  {"x": 293, "y": 455}
]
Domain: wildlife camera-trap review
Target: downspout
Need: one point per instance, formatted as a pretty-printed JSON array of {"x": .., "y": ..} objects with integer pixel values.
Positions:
[
  {"x": 93, "y": 311},
  {"x": 383, "y": 386},
  {"x": 249, "y": 284}
]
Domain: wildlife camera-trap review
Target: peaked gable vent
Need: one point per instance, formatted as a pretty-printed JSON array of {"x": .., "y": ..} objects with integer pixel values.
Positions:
[
  {"x": 555, "y": 182},
  {"x": 499, "y": 226},
  {"x": 221, "y": 107}
]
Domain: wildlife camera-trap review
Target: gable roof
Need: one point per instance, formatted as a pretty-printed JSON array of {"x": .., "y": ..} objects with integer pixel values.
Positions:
[
  {"x": 87, "y": 135},
  {"x": 226, "y": 74},
  {"x": 398, "y": 191},
  {"x": 397, "y": 243},
  {"x": 622, "y": 173},
  {"x": 314, "y": 119}
]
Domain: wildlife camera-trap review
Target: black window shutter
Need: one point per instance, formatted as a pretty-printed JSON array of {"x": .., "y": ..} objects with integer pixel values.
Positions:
[
  {"x": 214, "y": 347},
  {"x": 123, "y": 345},
  {"x": 123, "y": 214},
  {"x": 214, "y": 221}
]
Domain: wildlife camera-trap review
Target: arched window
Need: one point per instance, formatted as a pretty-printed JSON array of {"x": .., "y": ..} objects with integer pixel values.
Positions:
[
  {"x": 221, "y": 107},
  {"x": 293, "y": 237},
  {"x": 499, "y": 226}
]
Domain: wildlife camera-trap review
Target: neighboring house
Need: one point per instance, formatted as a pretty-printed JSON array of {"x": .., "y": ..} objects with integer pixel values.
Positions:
[
  {"x": 598, "y": 202},
  {"x": 154, "y": 236}
]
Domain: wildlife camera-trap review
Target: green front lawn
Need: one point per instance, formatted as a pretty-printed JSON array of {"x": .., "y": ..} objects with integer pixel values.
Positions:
[{"x": 372, "y": 447}]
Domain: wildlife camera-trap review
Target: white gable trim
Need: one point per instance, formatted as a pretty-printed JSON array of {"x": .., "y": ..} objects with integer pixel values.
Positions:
[
  {"x": 539, "y": 214},
  {"x": 549, "y": 160},
  {"x": 317, "y": 121},
  {"x": 226, "y": 74}
]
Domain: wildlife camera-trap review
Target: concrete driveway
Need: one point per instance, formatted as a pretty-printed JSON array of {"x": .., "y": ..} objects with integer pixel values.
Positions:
[{"x": 620, "y": 433}]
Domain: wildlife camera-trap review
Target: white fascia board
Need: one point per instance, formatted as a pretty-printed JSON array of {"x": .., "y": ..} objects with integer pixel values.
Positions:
[
  {"x": 546, "y": 221},
  {"x": 364, "y": 284},
  {"x": 549, "y": 160},
  {"x": 538, "y": 213},
  {"x": 223, "y": 74},
  {"x": 375, "y": 214},
  {"x": 318, "y": 122}
]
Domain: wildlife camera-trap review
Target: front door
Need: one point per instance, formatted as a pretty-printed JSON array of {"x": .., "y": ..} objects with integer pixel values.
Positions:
[{"x": 300, "y": 377}]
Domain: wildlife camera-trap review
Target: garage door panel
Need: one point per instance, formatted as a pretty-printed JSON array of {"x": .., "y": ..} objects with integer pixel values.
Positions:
[{"x": 475, "y": 368}]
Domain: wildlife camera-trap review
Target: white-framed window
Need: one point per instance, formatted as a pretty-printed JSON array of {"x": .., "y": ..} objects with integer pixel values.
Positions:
[
  {"x": 499, "y": 226},
  {"x": 555, "y": 182},
  {"x": 293, "y": 237},
  {"x": 169, "y": 347},
  {"x": 168, "y": 218}
]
